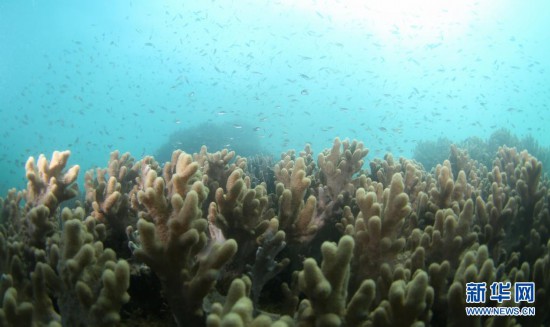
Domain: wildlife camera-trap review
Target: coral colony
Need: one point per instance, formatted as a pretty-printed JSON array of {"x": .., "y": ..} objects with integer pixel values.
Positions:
[{"x": 200, "y": 241}]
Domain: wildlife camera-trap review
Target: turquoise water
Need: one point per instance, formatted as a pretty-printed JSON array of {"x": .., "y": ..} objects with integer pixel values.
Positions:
[{"x": 95, "y": 76}]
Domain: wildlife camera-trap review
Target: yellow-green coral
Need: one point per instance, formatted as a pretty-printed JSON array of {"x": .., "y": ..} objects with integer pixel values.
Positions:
[
  {"x": 413, "y": 239},
  {"x": 47, "y": 183},
  {"x": 339, "y": 167},
  {"x": 326, "y": 289},
  {"x": 173, "y": 254},
  {"x": 237, "y": 310}
]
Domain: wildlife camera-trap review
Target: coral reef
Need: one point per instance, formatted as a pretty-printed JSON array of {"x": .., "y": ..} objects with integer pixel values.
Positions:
[
  {"x": 231, "y": 241},
  {"x": 430, "y": 153},
  {"x": 54, "y": 275}
]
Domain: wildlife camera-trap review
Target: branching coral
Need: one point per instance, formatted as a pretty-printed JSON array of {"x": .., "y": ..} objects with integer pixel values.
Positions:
[
  {"x": 265, "y": 266},
  {"x": 339, "y": 167},
  {"x": 406, "y": 241},
  {"x": 450, "y": 235},
  {"x": 475, "y": 266},
  {"x": 81, "y": 265},
  {"x": 10, "y": 210},
  {"x": 377, "y": 228},
  {"x": 326, "y": 289},
  {"x": 240, "y": 214},
  {"x": 448, "y": 193},
  {"x": 218, "y": 166},
  {"x": 408, "y": 303},
  {"x": 185, "y": 278},
  {"x": 111, "y": 206},
  {"x": 173, "y": 243},
  {"x": 383, "y": 170},
  {"x": 123, "y": 168},
  {"x": 295, "y": 217},
  {"x": 89, "y": 285},
  {"x": 237, "y": 310},
  {"x": 48, "y": 184}
]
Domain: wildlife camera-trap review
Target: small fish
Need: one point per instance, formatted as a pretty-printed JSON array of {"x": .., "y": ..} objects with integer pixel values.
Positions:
[
  {"x": 255, "y": 129},
  {"x": 237, "y": 126},
  {"x": 221, "y": 113},
  {"x": 304, "y": 92}
]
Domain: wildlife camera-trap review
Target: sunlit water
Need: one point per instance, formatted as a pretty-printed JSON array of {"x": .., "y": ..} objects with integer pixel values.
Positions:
[{"x": 95, "y": 76}]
